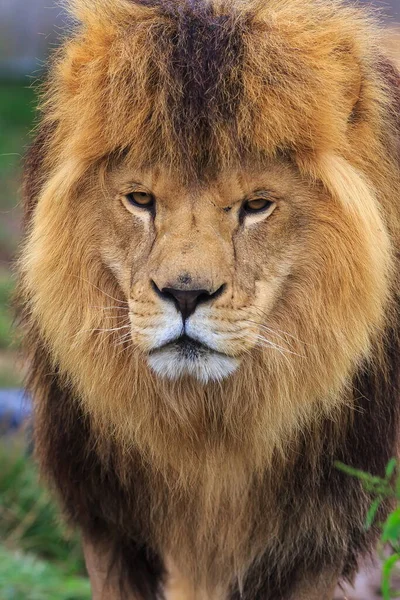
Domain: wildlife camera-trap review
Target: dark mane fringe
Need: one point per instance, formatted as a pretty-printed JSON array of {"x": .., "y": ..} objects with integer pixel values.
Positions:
[{"x": 206, "y": 66}]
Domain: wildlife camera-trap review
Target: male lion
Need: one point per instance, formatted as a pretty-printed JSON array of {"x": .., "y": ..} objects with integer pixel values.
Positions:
[{"x": 208, "y": 292}]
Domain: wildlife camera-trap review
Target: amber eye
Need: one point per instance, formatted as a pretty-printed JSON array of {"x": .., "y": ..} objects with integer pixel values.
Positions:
[
  {"x": 257, "y": 205},
  {"x": 141, "y": 199}
]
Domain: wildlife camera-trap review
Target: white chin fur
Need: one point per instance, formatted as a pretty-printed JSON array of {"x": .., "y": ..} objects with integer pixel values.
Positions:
[{"x": 212, "y": 366}]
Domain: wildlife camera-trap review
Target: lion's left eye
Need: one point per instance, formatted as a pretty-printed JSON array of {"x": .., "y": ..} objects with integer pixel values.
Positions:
[
  {"x": 141, "y": 199},
  {"x": 257, "y": 205}
]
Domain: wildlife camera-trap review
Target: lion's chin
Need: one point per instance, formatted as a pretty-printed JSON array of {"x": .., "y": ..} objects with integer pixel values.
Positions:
[{"x": 179, "y": 359}]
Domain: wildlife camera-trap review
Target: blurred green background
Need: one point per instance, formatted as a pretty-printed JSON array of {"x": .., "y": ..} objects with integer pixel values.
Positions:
[
  {"x": 40, "y": 557},
  {"x": 17, "y": 114}
]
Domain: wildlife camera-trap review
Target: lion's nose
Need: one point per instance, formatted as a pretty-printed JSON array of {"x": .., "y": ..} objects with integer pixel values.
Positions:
[{"x": 186, "y": 301}]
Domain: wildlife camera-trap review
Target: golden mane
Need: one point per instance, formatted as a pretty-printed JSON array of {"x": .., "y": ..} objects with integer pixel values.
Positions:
[
  {"x": 303, "y": 79},
  {"x": 303, "y": 72}
]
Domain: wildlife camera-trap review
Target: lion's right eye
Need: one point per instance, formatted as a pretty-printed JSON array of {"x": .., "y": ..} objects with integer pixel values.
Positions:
[{"x": 140, "y": 199}]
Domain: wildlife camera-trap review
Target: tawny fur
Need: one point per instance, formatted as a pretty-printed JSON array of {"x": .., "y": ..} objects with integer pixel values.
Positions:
[{"x": 302, "y": 92}]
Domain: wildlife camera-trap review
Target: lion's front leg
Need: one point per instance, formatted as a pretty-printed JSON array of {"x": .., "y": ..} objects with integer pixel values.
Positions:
[
  {"x": 317, "y": 588},
  {"x": 104, "y": 581},
  {"x": 123, "y": 571}
]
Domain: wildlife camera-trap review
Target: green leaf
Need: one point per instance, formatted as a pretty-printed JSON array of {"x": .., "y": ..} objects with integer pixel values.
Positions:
[
  {"x": 391, "y": 528},
  {"x": 372, "y": 483},
  {"x": 387, "y": 569},
  {"x": 390, "y": 467},
  {"x": 371, "y": 514}
]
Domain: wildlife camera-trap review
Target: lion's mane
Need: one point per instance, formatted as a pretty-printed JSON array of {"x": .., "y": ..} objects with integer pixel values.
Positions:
[{"x": 200, "y": 86}]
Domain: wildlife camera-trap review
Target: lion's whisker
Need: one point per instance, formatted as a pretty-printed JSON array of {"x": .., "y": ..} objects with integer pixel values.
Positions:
[
  {"x": 123, "y": 340},
  {"x": 275, "y": 329},
  {"x": 261, "y": 326},
  {"x": 107, "y": 307},
  {"x": 276, "y": 346},
  {"x": 109, "y": 329},
  {"x": 100, "y": 290},
  {"x": 264, "y": 343},
  {"x": 100, "y": 330},
  {"x": 130, "y": 347}
]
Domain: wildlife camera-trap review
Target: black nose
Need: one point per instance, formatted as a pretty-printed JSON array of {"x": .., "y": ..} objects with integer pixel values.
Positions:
[{"x": 186, "y": 301}]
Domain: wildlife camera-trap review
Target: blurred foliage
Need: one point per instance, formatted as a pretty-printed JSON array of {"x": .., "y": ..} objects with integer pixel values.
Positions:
[
  {"x": 17, "y": 114},
  {"x": 25, "y": 577},
  {"x": 17, "y": 111},
  {"x": 6, "y": 288},
  {"x": 40, "y": 557},
  {"x": 383, "y": 488},
  {"x": 10, "y": 371}
]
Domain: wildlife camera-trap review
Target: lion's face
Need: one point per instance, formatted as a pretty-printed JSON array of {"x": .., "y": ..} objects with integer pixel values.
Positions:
[
  {"x": 210, "y": 268},
  {"x": 202, "y": 264}
]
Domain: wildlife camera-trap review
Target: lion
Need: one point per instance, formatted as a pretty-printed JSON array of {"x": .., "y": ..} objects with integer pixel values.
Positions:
[{"x": 208, "y": 292}]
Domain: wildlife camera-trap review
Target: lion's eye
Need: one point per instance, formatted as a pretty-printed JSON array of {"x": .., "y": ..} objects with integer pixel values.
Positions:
[
  {"x": 141, "y": 199},
  {"x": 257, "y": 205}
]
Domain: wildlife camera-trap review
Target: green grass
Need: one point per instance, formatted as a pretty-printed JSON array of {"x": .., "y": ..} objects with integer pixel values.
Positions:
[
  {"x": 40, "y": 557},
  {"x": 30, "y": 519},
  {"x": 25, "y": 577}
]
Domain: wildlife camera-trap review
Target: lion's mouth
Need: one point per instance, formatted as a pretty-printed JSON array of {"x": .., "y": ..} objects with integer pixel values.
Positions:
[
  {"x": 186, "y": 347},
  {"x": 186, "y": 356}
]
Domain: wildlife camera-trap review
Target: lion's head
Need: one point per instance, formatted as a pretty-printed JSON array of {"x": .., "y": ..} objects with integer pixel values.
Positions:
[{"x": 210, "y": 255}]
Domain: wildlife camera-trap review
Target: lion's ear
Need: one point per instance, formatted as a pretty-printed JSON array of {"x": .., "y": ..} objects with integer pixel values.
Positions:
[
  {"x": 370, "y": 85},
  {"x": 390, "y": 75},
  {"x": 352, "y": 85}
]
